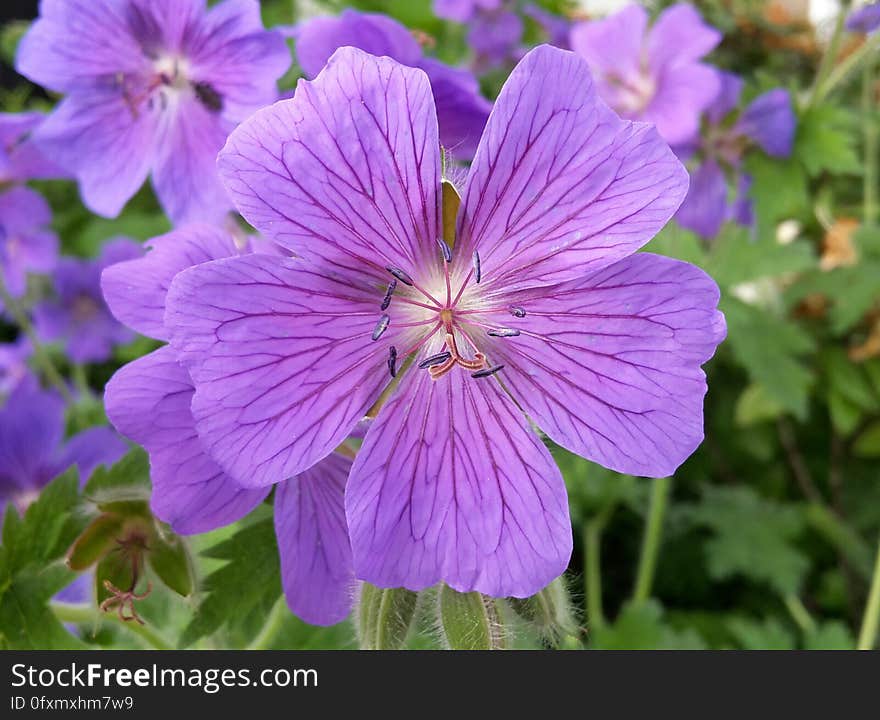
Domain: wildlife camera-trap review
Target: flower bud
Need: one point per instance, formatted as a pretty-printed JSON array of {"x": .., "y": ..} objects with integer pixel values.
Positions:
[
  {"x": 384, "y": 616},
  {"x": 471, "y": 621},
  {"x": 548, "y": 611}
]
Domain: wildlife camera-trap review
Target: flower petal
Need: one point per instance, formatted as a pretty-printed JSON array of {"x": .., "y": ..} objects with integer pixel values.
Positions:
[
  {"x": 148, "y": 400},
  {"x": 316, "y": 569},
  {"x": 560, "y": 185},
  {"x": 347, "y": 172},
  {"x": 705, "y": 207},
  {"x": 282, "y": 359},
  {"x": 684, "y": 93},
  {"x": 135, "y": 290},
  {"x": 91, "y": 448},
  {"x": 609, "y": 367},
  {"x": 452, "y": 484},
  {"x": 679, "y": 36},
  {"x": 770, "y": 121},
  {"x": 613, "y": 45}
]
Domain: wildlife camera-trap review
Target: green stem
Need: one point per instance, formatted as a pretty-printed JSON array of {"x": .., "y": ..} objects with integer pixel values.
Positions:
[
  {"x": 865, "y": 53},
  {"x": 273, "y": 625},
  {"x": 86, "y": 614},
  {"x": 827, "y": 62},
  {"x": 868, "y": 632},
  {"x": 40, "y": 353},
  {"x": 80, "y": 379},
  {"x": 872, "y": 147},
  {"x": 593, "y": 572},
  {"x": 651, "y": 539},
  {"x": 799, "y": 613}
]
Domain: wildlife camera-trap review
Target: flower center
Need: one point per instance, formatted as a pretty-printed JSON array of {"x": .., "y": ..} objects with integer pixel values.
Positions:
[
  {"x": 168, "y": 81},
  {"x": 633, "y": 93},
  {"x": 84, "y": 308}
]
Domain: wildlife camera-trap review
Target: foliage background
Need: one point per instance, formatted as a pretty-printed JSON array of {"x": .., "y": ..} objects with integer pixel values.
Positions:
[{"x": 765, "y": 538}]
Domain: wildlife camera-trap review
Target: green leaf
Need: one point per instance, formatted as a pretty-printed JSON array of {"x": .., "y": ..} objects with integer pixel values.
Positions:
[
  {"x": 868, "y": 442},
  {"x": 170, "y": 560},
  {"x": 770, "y": 348},
  {"x": 779, "y": 190},
  {"x": 768, "y": 634},
  {"x": 827, "y": 141},
  {"x": 250, "y": 581},
  {"x": 126, "y": 482},
  {"x": 752, "y": 537},
  {"x": 851, "y": 290},
  {"x": 756, "y": 405},
  {"x": 640, "y": 626},
  {"x": 735, "y": 258},
  {"x": 833, "y": 635}
]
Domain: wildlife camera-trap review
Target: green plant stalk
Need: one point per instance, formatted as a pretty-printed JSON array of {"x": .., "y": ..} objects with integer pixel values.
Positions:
[
  {"x": 839, "y": 75},
  {"x": 871, "y": 618},
  {"x": 272, "y": 626},
  {"x": 593, "y": 573},
  {"x": 799, "y": 613},
  {"x": 651, "y": 539},
  {"x": 85, "y": 614},
  {"x": 40, "y": 353},
  {"x": 872, "y": 147},
  {"x": 830, "y": 55}
]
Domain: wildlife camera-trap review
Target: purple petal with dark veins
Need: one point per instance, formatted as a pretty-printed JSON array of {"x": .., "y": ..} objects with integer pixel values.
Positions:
[
  {"x": 316, "y": 568},
  {"x": 347, "y": 172},
  {"x": 148, "y": 400},
  {"x": 560, "y": 185},
  {"x": 135, "y": 290},
  {"x": 451, "y": 484},
  {"x": 281, "y": 358},
  {"x": 609, "y": 366}
]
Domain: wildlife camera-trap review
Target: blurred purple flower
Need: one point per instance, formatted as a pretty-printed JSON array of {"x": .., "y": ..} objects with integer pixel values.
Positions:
[
  {"x": 151, "y": 86},
  {"x": 77, "y": 315},
  {"x": 461, "y": 110},
  {"x": 495, "y": 31},
  {"x": 768, "y": 122},
  {"x": 865, "y": 19},
  {"x": 26, "y": 242},
  {"x": 20, "y": 159},
  {"x": 652, "y": 75},
  {"x": 13, "y": 363},
  {"x": 33, "y": 450},
  {"x": 149, "y": 401},
  {"x": 556, "y": 27},
  {"x": 601, "y": 347}
]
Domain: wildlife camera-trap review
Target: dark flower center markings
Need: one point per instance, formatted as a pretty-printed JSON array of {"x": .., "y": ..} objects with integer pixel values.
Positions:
[{"x": 168, "y": 75}]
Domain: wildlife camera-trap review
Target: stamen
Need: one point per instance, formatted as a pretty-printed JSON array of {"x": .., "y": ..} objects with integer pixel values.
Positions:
[
  {"x": 400, "y": 275},
  {"x": 487, "y": 372},
  {"x": 381, "y": 327},
  {"x": 392, "y": 361},
  {"x": 504, "y": 332},
  {"x": 517, "y": 311},
  {"x": 437, "y": 359},
  {"x": 445, "y": 249},
  {"x": 386, "y": 301},
  {"x": 477, "y": 271}
]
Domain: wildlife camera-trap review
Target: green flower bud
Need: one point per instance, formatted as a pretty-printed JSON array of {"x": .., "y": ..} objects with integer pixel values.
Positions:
[
  {"x": 471, "y": 621},
  {"x": 384, "y": 616},
  {"x": 548, "y": 611}
]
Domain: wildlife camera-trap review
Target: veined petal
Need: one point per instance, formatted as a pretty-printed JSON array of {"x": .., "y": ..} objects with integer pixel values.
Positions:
[
  {"x": 282, "y": 360},
  {"x": 347, "y": 172},
  {"x": 135, "y": 290},
  {"x": 609, "y": 367},
  {"x": 452, "y": 484},
  {"x": 148, "y": 400},
  {"x": 316, "y": 569},
  {"x": 561, "y": 186}
]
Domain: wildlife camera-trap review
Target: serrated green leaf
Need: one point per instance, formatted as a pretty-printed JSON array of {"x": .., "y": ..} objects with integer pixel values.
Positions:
[
  {"x": 826, "y": 141},
  {"x": 779, "y": 190},
  {"x": 641, "y": 627},
  {"x": 735, "y": 258},
  {"x": 767, "y": 634},
  {"x": 250, "y": 580}
]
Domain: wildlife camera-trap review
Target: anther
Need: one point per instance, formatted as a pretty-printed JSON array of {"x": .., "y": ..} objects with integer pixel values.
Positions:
[
  {"x": 381, "y": 327},
  {"x": 392, "y": 361},
  {"x": 445, "y": 249},
  {"x": 437, "y": 359},
  {"x": 386, "y": 301},
  {"x": 477, "y": 270},
  {"x": 504, "y": 332},
  {"x": 487, "y": 372},
  {"x": 400, "y": 275},
  {"x": 517, "y": 311}
]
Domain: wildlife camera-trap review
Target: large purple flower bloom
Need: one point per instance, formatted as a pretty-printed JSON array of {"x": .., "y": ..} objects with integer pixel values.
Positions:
[
  {"x": 540, "y": 307},
  {"x": 653, "y": 75},
  {"x": 149, "y": 401},
  {"x": 33, "y": 450},
  {"x": 26, "y": 242},
  {"x": 768, "y": 122},
  {"x": 77, "y": 315},
  {"x": 461, "y": 110},
  {"x": 865, "y": 19},
  {"x": 152, "y": 86}
]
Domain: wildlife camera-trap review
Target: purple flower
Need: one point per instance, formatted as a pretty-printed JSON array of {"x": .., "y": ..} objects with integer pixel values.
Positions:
[
  {"x": 149, "y": 401},
  {"x": 13, "y": 363},
  {"x": 542, "y": 292},
  {"x": 556, "y": 27},
  {"x": 494, "y": 30},
  {"x": 78, "y": 315},
  {"x": 653, "y": 75},
  {"x": 768, "y": 123},
  {"x": 32, "y": 446},
  {"x": 20, "y": 159},
  {"x": 864, "y": 20},
  {"x": 26, "y": 242},
  {"x": 463, "y": 10},
  {"x": 461, "y": 110},
  {"x": 152, "y": 86}
]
